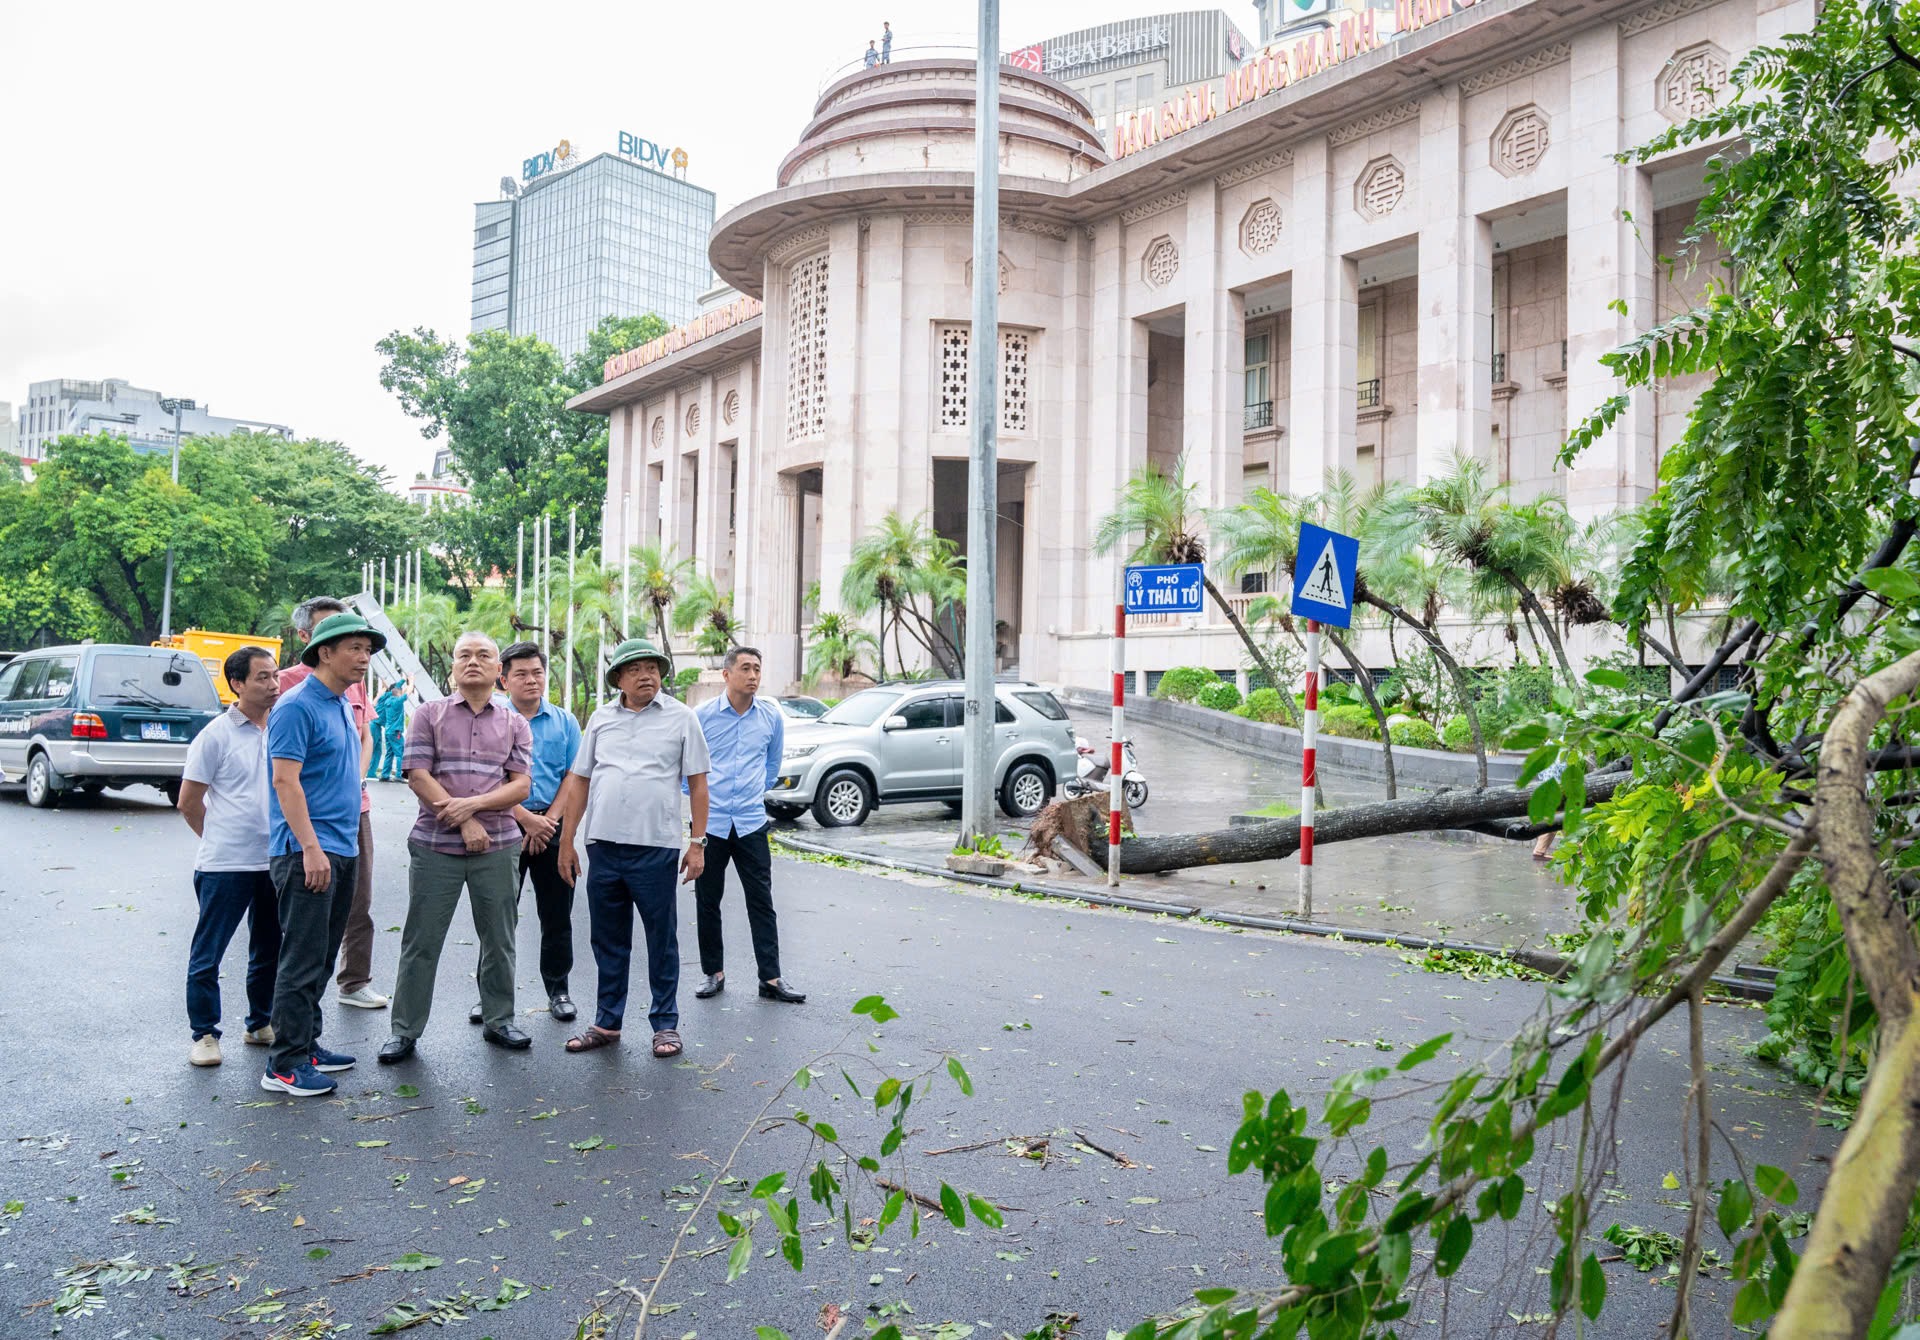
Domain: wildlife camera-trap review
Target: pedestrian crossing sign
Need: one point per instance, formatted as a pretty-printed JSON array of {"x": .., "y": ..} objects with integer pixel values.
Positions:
[{"x": 1324, "y": 568}]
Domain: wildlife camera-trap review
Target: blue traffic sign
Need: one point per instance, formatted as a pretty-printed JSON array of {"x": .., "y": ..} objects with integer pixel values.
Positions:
[
  {"x": 1174, "y": 588},
  {"x": 1323, "y": 575}
]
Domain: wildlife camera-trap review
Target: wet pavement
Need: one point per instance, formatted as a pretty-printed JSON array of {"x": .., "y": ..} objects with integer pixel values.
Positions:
[
  {"x": 549, "y": 1187},
  {"x": 1456, "y": 886}
]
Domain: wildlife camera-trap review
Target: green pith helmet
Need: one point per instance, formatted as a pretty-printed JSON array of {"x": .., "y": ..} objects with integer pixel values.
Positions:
[
  {"x": 638, "y": 649},
  {"x": 336, "y": 626}
]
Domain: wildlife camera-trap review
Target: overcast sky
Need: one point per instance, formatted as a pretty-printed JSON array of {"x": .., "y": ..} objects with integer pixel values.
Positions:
[{"x": 233, "y": 201}]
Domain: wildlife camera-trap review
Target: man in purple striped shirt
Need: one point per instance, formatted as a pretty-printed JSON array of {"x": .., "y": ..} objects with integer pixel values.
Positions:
[{"x": 468, "y": 758}]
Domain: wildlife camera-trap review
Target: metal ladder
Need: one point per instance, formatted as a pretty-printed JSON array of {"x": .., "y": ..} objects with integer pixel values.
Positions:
[{"x": 396, "y": 661}]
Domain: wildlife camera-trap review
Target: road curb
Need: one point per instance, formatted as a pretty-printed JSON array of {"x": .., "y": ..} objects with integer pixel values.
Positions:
[{"x": 1740, "y": 984}]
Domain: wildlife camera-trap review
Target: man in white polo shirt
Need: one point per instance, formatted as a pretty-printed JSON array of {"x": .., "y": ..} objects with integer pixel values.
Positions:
[{"x": 223, "y": 795}]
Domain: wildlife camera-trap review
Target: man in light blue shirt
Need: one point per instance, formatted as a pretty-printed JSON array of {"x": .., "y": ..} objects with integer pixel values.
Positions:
[{"x": 746, "y": 735}]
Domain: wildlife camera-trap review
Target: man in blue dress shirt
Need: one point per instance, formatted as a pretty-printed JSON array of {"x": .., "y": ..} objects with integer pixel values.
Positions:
[{"x": 746, "y": 735}]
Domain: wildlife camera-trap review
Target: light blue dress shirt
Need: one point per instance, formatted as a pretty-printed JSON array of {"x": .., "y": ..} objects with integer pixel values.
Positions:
[
  {"x": 745, "y": 750},
  {"x": 556, "y": 739}
]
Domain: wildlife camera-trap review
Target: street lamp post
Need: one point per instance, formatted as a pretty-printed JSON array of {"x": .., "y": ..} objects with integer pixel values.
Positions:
[{"x": 175, "y": 408}]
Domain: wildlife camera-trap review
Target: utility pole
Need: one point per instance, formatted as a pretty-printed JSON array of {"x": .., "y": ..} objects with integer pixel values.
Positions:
[
  {"x": 573, "y": 534},
  {"x": 983, "y": 421},
  {"x": 173, "y": 407}
]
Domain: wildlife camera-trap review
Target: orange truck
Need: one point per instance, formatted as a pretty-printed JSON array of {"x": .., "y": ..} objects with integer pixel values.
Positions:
[{"x": 214, "y": 648}]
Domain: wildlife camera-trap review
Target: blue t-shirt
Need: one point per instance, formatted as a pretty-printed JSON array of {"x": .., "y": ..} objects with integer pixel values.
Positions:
[{"x": 316, "y": 728}]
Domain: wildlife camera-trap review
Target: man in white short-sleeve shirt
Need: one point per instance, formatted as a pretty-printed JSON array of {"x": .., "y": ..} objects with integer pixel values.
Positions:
[{"x": 223, "y": 795}]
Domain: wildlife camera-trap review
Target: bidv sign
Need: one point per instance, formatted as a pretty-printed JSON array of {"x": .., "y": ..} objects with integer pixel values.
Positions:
[
  {"x": 649, "y": 154},
  {"x": 560, "y": 156}
]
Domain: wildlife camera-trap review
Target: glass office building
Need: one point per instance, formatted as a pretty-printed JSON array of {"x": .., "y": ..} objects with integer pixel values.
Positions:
[{"x": 608, "y": 238}]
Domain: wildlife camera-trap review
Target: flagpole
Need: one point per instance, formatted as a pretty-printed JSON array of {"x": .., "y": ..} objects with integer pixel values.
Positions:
[{"x": 573, "y": 525}]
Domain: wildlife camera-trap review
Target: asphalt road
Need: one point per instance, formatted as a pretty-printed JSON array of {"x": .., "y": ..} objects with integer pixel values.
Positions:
[{"x": 1139, "y": 1033}]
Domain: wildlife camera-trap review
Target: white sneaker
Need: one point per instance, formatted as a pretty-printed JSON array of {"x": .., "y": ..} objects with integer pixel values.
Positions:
[
  {"x": 206, "y": 1050},
  {"x": 261, "y": 1036},
  {"x": 366, "y": 998}
]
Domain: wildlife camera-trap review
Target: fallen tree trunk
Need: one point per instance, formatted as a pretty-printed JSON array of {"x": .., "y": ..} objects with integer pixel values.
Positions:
[{"x": 1281, "y": 837}]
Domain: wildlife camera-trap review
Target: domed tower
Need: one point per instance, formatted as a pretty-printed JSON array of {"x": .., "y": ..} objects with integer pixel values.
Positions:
[{"x": 863, "y": 257}]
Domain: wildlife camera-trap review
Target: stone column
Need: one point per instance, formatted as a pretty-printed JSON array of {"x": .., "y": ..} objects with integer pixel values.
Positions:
[
  {"x": 844, "y": 454},
  {"x": 1117, "y": 414},
  {"x": 1609, "y": 260},
  {"x": 777, "y": 596},
  {"x": 1215, "y": 355},
  {"x": 1320, "y": 397},
  {"x": 620, "y": 471},
  {"x": 1454, "y": 379}
]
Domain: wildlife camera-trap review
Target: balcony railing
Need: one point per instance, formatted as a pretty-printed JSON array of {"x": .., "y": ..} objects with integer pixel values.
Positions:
[
  {"x": 1259, "y": 414},
  {"x": 1369, "y": 393},
  {"x": 1499, "y": 368}
]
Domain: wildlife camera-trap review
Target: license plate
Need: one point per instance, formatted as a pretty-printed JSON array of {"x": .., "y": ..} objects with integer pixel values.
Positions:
[{"x": 155, "y": 730}]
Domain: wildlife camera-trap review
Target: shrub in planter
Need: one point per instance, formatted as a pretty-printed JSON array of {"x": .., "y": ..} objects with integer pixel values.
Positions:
[
  {"x": 1262, "y": 705},
  {"x": 1220, "y": 696},
  {"x": 1458, "y": 735},
  {"x": 1350, "y": 721},
  {"x": 1414, "y": 734},
  {"x": 1183, "y": 683},
  {"x": 684, "y": 677}
]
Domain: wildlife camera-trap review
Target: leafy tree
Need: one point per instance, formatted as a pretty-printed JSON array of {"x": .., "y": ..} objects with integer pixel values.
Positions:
[
  {"x": 894, "y": 566},
  {"x": 705, "y": 607},
  {"x": 35, "y": 609},
  {"x": 96, "y": 521},
  {"x": 835, "y": 645}
]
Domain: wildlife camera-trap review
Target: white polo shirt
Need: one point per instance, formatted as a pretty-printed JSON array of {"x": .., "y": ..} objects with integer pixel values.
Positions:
[{"x": 230, "y": 758}]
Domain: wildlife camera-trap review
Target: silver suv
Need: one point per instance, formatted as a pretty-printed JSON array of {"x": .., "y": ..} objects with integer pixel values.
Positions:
[{"x": 902, "y": 742}]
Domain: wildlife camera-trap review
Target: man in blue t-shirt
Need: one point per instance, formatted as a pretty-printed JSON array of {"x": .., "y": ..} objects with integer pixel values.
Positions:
[{"x": 313, "y": 747}]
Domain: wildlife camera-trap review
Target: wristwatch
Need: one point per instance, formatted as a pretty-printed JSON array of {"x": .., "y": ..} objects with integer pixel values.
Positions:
[{"x": 700, "y": 841}]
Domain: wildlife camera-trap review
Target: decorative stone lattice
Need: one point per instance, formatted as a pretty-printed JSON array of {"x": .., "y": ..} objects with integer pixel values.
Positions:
[
  {"x": 1260, "y": 230},
  {"x": 1692, "y": 82},
  {"x": 1014, "y": 347},
  {"x": 693, "y": 421},
  {"x": 807, "y": 348},
  {"x": 659, "y": 431},
  {"x": 730, "y": 407},
  {"x": 954, "y": 347},
  {"x": 1162, "y": 262},
  {"x": 1381, "y": 186},
  {"x": 1520, "y": 141},
  {"x": 1006, "y": 272}
]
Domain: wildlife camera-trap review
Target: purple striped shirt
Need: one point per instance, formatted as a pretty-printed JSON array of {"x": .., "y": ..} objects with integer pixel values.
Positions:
[{"x": 469, "y": 753}]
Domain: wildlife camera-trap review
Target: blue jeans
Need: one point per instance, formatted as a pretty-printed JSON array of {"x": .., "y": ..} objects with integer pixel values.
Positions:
[
  {"x": 623, "y": 879},
  {"x": 225, "y": 897}
]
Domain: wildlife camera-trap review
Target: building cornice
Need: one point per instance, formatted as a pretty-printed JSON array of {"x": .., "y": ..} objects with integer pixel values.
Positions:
[{"x": 1508, "y": 71}]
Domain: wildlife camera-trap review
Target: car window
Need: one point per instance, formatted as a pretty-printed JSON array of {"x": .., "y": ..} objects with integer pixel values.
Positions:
[
  {"x": 60, "y": 677},
  {"x": 1001, "y": 712},
  {"x": 33, "y": 678},
  {"x": 9, "y": 677},
  {"x": 863, "y": 708},
  {"x": 134, "y": 680},
  {"x": 1045, "y": 704},
  {"x": 925, "y": 714}
]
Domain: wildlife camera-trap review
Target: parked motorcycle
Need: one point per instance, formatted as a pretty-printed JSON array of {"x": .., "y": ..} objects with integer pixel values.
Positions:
[{"x": 1095, "y": 768}]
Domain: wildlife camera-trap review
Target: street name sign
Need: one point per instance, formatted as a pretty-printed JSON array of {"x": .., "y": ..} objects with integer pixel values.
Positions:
[{"x": 1173, "y": 588}]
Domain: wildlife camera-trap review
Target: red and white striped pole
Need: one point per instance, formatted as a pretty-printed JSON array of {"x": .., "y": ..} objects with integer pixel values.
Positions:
[
  {"x": 1116, "y": 779},
  {"x": 1309, "y": 736}
]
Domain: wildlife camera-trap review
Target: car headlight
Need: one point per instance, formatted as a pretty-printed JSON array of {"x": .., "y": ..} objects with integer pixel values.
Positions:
[{"x": 798, "y": 750}]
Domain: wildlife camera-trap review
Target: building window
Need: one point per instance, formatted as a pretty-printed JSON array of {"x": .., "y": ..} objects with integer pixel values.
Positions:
[
  {"x": 1497, "y": 342},
  {"x": 1259, "y": 401},
  {"x": 1366, "y": 349},
  {"x": 1016, "y": 348},
  {"x": 1097, "y": 99},
  {"x": 1143, "y": 88},
  {"x": 1122, "y": 94},
  {"x": 807, "y": 348}
]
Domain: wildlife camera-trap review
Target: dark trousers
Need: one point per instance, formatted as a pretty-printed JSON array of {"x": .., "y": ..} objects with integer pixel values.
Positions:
[
  {"x": 623, "y": 879},
  {"x": 750, "y": 855},
  {"x": 225, "y": 897},
  {"x": 356, "y": 949},
  {"x": 311, "y": 927},
  {"x": 553, "y": 900}
]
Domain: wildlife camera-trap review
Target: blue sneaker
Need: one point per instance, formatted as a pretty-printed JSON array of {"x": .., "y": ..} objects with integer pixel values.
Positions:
[
  {"x": 303, "y": 1082},
  {"x": 328, "y": 1062}
]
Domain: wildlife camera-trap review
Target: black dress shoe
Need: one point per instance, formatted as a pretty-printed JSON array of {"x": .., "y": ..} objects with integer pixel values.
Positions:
[
  {"x": 781, "y": 991},
  {"x": 561, "y": 1008},
  {"x": 509, "y": 1037},
  {"x": 395, "y": 1049},
  {"x": 475, "y": 1017},
  {"x": 713, "y": 986}
]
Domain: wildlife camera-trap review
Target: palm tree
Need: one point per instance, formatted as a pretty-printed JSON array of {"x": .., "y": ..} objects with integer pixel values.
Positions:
[
  {"x": 431, "y": 628},
  {"x": 892, "y": 565},
  {"x": 706, "y": 607},
  {"x": 658, "y": 576},
  {"x": 1158, "y": 508},
  {"x": 836, "y": 645}
]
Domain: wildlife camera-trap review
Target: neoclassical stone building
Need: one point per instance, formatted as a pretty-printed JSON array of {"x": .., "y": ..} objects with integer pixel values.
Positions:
[{"x": 1381, "y": 252}]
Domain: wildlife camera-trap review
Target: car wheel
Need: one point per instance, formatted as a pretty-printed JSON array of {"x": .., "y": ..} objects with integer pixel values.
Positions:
[
  {"x": 173, "y": 793},
  {"x": 1136, "y": 795},
  {"x": 845, "y": 799},
  {"x": 787, "y": 812},
  {"x": 42, "y": 794},
  {"x": 1025, "y": 791}
]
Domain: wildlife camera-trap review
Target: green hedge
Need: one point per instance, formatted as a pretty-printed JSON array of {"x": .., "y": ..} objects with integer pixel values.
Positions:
[
  {"x": 685, "y": 676},
  {"x": 1262, "y": 705},
  {"x": 1350, "y": 721},
  {"x": 1183, "y": 683},
  {"x": 1220, "y": 696},
  {"x": 1458, "y": 735},
  {"x": 1414, "y": 734}
]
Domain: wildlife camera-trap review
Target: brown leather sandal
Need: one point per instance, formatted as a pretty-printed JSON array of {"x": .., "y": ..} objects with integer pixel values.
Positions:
[
  {"x": 666, "y": 1044},
  {"x": 593, "y": 1040}
]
